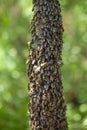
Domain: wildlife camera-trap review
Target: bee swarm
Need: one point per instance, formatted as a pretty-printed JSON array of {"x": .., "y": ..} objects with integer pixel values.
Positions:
[{"x": 47, "y": 109}]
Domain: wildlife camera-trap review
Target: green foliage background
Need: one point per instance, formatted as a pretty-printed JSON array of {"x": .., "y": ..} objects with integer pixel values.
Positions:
[{"x": 15, "y": 19}]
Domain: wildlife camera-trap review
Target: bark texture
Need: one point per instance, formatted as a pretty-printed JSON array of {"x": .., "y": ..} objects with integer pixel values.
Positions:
[{"x": 47, "y": 108}]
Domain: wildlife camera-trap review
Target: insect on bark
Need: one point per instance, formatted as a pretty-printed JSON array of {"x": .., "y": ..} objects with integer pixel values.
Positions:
[{"x": 47, "y": 109}]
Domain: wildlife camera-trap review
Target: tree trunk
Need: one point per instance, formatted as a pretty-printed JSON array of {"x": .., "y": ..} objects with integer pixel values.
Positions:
[{"x": 47, "y": 108}]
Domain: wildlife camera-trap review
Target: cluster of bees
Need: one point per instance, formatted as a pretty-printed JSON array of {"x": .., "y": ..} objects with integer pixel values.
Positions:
[{"x": 46, "y": 108}]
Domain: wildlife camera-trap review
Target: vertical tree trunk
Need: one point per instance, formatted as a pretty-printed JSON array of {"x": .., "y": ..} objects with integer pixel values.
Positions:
[{"x": 47, "y": 108}]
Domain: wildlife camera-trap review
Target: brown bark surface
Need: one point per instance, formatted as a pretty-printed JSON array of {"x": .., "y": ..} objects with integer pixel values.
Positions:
[{"x": 46, "y": 108}]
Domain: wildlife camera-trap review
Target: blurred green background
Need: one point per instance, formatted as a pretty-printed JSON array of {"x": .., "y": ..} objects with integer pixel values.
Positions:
[{"x": 15, "y": 19}]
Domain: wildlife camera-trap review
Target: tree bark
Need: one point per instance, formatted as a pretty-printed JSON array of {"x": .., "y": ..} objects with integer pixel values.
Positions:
[{"x": 47, "y": 109}]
